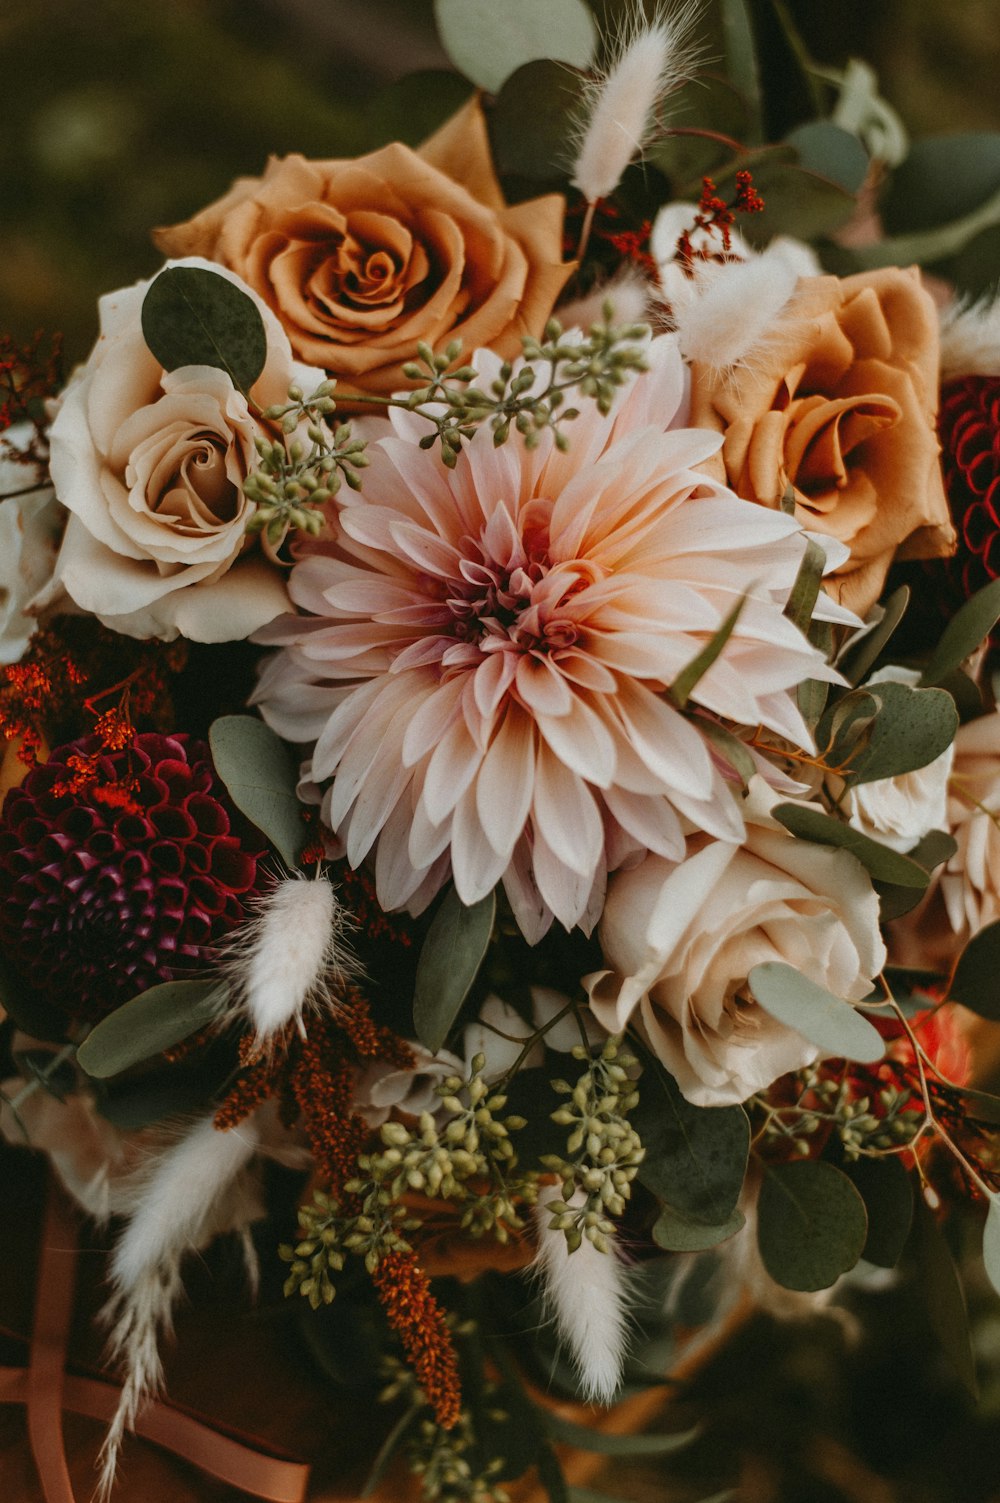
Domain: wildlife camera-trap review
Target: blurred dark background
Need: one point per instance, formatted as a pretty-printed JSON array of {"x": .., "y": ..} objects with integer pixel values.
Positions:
[{"x": 118, "y": 116}]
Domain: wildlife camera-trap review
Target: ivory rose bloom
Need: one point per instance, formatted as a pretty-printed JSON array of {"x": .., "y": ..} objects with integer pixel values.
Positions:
[
  {"x": 30, "y": 521},
  {"x": 681, "y": 937},
  {"x": 361, "y": 259},
  {"x": 151, "y": 466},
  {"x": 970, "y": 880},
  {"x": 839, "y": 402}
]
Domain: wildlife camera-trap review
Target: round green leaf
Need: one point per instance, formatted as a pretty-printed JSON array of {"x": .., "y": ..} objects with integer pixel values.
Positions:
[
  {"x": 531, "y": 122},
  {"x": 413, "y": 107},
  {"x": 887, "y": 1191},
  {"x": 912, "y": 728},
  {"x": 964, "y": 632},
  {"x": 811, "y": 1224},
  {"x": 676, "y": 1233},
  {"x": 487, "y": 41},
  {"x": 696, "y": 1156},
  {"x": 155, "y": 1020},
  {"x": 976, "y": 983},
  {"x": 260, "y": 775},
  {"x": 942, "y": 178},
  {"x": 833, "y": 1025},
  {"x": 449, "y": 962},
  {"x": 829, "y": 149},
  {"x": 191, "y": 316},
  {"x": 863, "y": 651}
]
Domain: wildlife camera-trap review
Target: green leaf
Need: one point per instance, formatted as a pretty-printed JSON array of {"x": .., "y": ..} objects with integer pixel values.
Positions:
[
  {"x": 911, "y": 729},
  {"x": 796, "y": 201},
  {"x": 32, "y": 1012},
  {"x": 936, "y": 847},
  {"x": 676, "y": 1233},
  {"x": 976, "y": 983},
  {"x": 533, "y": 119},
  {"x": 260, "y": 775},
  {"x": 741, "y": 60},
  {"x": 833, "y": 1025},
  {"x": 191, "y": 316},
  {"x": 413, "y": 107},
  {"x": 452, "y": 953},
  {"x": 846, "y": 726},
  {"x": 942, "y": 1294},
  {"x": 811, "y": 1224},
  {"x": 155, "y": 1020},
  {"x": 964, "y": 632},
  {"x": 729, "y": 747},
  {"x": 923, "y": 246},
  {"x": 832, "y": 151},
  {"x": 887, "y": 1191},
  {"x": 991, "y": 1241},
  {"x": 805, "y": 590},
  {"x": 685, "y": 682},
  {"x": 942, "y": 179},
  {"x": 863, "y": 651},
  {"x": 583, "y": 1438},
  {"x": 696, "y": 1156},
  {"x": 878, "y": 860},
  {"x": 487, "y": 42}
]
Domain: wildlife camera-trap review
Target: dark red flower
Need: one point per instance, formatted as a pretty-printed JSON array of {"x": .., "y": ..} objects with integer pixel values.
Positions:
[
  {"x": 969, "y": 426},
  {"x": 112, "y": 884}
]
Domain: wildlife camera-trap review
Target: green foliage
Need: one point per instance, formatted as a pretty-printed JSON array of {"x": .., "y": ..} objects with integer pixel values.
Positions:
[
  {"x": 942, "y": 1294},
  {"x": 413, "y": 107},
  {"x": 811, "y": 1224},
  {"x": 976, "y": 982},
  {"x": 452, "y": 953},
  {"x": 833, "y": 1025},
  {"x": 943, "y": 178},
  {"x": 965, "y": 631},
  {"x": 260, "y": 775},
  {"x": 488, "y": 42},
  {"x": 887, "y": 1191},
  {"x": 532, "y": 120},
  {"x": 676, "y": 1233},
  {"x": 192, "y": 316},
  {"x": 696, "y": 1156},
  {"x": 292, "y": 483},
  {"x": 805, "y": 590},
  {"x": 911, "y": 728},
  {"x": 156, "y": 1020},
  {"x": 741, "y": 61},
  {"x": 585, "y": 1438},
  {"x": 879, "y": 860},
  {"x": 831, "y": 151},
  {"x": 865, "y": 648},
  {"x": 687, "y": 680}
]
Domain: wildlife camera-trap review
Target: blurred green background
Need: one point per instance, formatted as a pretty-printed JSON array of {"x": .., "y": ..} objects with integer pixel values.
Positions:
[{"x": 120, "y": 115}]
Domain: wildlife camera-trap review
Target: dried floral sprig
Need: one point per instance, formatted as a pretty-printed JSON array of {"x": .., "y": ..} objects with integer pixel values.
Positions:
[
  {"x": 29, "y": 373},
  {"x": 603, "y": 1151},
  {"x": 440, "y": 1458}
]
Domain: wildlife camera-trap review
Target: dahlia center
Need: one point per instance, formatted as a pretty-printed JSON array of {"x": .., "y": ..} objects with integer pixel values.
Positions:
[{"x": 498, "y": 608}]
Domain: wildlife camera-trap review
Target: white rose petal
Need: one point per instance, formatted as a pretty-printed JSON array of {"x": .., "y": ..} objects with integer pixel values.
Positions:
[{"x": 29, "y": 532}]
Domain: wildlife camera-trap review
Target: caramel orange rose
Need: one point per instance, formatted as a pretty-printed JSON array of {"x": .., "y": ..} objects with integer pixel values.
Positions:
[
  {"x": 839, "y": 402},
  {"x": 361, "y": 259}
]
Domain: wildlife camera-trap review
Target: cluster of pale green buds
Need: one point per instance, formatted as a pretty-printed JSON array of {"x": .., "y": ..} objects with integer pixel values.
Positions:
[
  {"x": 603, "y": 1152},
  {"x": 439, "y": 1458},
  {"x": 328, "y": 1237},
  {"x": 293, "y": 483}
]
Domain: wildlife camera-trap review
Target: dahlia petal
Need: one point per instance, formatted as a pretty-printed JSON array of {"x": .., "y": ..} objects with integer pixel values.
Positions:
[
  {"x": 563, "y": 890},
  {"x": 564, "y": 811},
  {"x": 670, "y": 747},
  {"x": 384, "y": 717},
  {"x": 541, "y": 688},
  {"x": 582, "y": 741},
  {"x": 530, "y": 910},
  {"x": 340, "y": 727},
  {"x": 505, "y": 782},
  {"x": 651, "y": 822},
  {"x": 439, "y": 710},
  {"x": 426, "y": 842},
  {"x": 476, "y": 866},
  {"x": 493, "y": 678},
  {"x": 453, "y": 765}
]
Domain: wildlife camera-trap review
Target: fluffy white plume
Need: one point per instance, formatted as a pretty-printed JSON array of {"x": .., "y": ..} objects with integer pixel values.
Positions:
[
  {"x": 629, "y": 296},
  {"x": 734, "y": 311},
  {"x": 586, "y": 1292},
  {"x": 650, "y": 59},
  {"x": 187, "y": 1195},
  {"x": 970, "y": 339},
  {"x": 288, "y": 955}
]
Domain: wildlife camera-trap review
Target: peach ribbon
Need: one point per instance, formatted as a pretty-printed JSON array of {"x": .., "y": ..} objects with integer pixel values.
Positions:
[{"x": 48, "y": 1390}]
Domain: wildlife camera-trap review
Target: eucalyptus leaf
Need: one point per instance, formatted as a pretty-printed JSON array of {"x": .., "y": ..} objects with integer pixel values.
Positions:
[
  {"x": 878, "y": 860},
  {"x": 864, "y": 650},
  {"x": 811, "y": 1224},
  {"x": 696, "y": 1156},
  {"x": 741, "y": 60},
  {"x": 413, "y": 107},
  {"x": 936, "y": 847},
  {"x": 845, "y": 727},
  {"x": 686, "y": 681},
  {"x": 833, "y": 1025},
  {"x": 942, "y": 1294},
  {"x": 942, "y": 179},
  {"x": 147, "y": 1025},
  {"x": 533, "y": 119},
  {"x": 192, "y": 316},
  {"x": 730, "y": 748},
  {"x": 676, "y": 1233},
  {"x": 976, "y": 982},
  {"x": 912, "y": 728},
  {"x": 887, "y": 1191},
  {"x": 260, "y": 775},
  {"x": 924, "y": 246},
  {"x": 965, "y": 631},
  {"x": 584, "y": 1438},
  {"x": 829, "y": 149},
  {"x": 805, "y": 590},
  {"x": 796, "y": 201},
  {"x": 991, "y": 1241},
  {"x": 452, "y": 952},
  {"x": 488, "y": 42}
]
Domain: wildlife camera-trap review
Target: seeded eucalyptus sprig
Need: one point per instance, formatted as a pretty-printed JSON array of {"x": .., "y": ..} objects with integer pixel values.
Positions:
[
  {"x": 293, "y": 483},
  {"x": 603, "y": 1150}
]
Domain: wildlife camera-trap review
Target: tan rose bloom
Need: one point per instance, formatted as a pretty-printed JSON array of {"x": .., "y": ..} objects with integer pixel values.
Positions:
[
  {"x": 839, "y": 402},
  {"x": 361, "y": 259}
]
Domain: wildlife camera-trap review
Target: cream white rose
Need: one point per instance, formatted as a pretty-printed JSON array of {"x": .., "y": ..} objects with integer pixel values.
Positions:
[
  {"x": 900, "y": 811},
  {"x": 970, "y": 880},
  {"x": 681, "y": 938},
  {"x": 29, "y": 533},
  {"x": 151, "y": 466}
]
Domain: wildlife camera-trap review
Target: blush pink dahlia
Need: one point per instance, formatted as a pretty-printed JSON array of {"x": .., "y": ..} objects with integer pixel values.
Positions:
[{"x": 483, "y": 661}]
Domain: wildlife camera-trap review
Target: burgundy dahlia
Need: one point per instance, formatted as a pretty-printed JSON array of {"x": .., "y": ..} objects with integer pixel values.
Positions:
[
  {"x": 969, "y": 425},
  {"x": 123, "y": 878}
]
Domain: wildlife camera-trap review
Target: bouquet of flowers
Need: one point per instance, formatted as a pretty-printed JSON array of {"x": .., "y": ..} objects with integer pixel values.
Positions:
[{"x": 500, "y": 721}]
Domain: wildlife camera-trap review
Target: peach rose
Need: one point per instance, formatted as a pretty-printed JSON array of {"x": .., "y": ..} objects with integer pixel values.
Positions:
[
  {"x": 151, "y": 464},
  {"x": 361, "y": 259},
  {"x": 680, "y": 939},
  {"x": 839, "y": 402}
]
